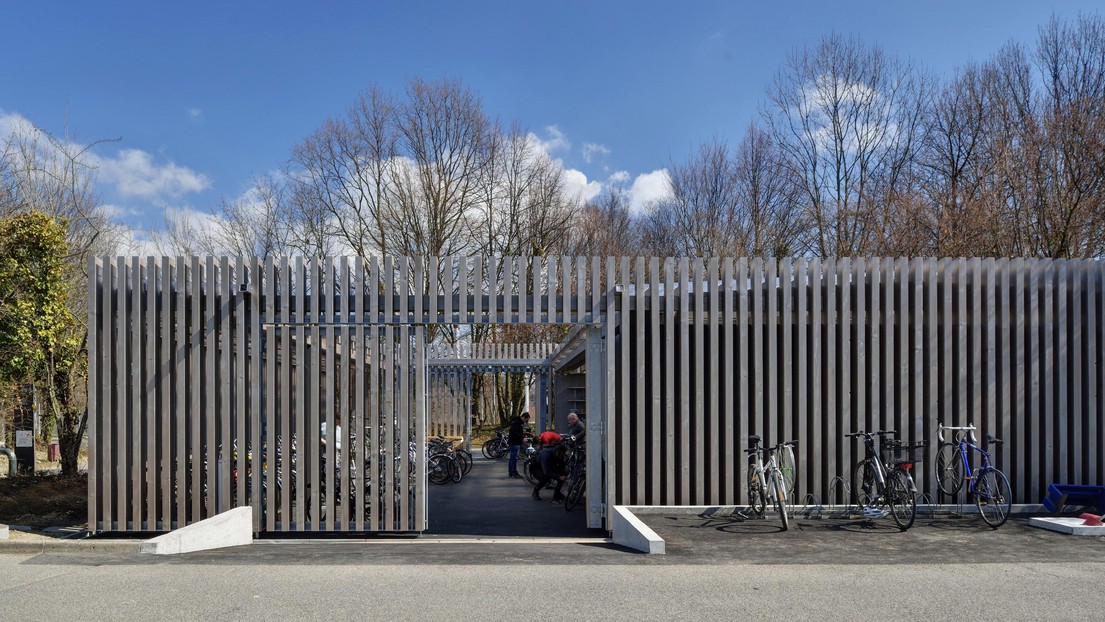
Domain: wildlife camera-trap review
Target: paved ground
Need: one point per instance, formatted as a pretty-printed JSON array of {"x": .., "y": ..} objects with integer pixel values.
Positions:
[
  {"x": 717, "y": 567},
  {"x": 966, "y": 540},
  {"x": 714, "y": 574},
  {"x": 486, "y": 503}
]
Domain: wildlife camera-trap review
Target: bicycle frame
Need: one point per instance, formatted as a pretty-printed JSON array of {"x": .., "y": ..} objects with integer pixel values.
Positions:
[
  {"x": 769, "y": 474},
  {"x": 964, "y": 439},
  {"x": 880, "y": 467}
]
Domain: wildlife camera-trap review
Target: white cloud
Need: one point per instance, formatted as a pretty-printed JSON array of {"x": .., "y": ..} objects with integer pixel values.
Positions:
[
  {"x": 195, "y": 113},
  {"x": 576, "y": 184},
  {"x": 590, "y": 150},
  {"x": 649, "y": 187},
  {"x": 556, "y": 140},
  {"x": 116, "y": 212},
  {"x": 12, "y": 123},
  {"x": 619, "y": 178},
  {"x": 134, "y": 174}
]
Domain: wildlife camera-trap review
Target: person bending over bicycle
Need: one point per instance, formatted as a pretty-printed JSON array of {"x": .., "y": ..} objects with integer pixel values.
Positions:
[
  {"x": 550, "y": 465},
  {"x": 548, "y": 438}
]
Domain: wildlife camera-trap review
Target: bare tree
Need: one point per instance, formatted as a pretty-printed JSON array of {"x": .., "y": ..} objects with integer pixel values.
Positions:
[
  {"x": 57, "y": 177},
  {"x": 1070, "y": 222},
  {"x": 347, "y": 169},
  {"x": 846, "y": 116},
  {"x": 767, "y": 198},
  {"x": 524, "y": 207},
  {"x": 958, "y": 164},
  {"x": 702, "y": 215},
  {"x": 447, "y": 137},
  {"x": 605, "y": 227}
]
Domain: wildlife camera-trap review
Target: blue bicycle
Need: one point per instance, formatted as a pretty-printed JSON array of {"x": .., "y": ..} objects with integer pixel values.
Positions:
[{"x": 988, "y": 484}]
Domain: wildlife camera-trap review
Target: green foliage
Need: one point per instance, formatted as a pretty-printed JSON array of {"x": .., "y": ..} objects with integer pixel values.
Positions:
[{"x": 37, "y": 330}]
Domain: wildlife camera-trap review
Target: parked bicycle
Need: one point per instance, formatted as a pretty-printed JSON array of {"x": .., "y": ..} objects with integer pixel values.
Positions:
[
  {"x": 766, "y": 480},
  {"x": 882, "y": 485},
  {"x": 577, "y": 473},
  {"x": 446, "y": 462},
  {"x": 989, "y": 486},
  {"x": 495, "y": 448}
]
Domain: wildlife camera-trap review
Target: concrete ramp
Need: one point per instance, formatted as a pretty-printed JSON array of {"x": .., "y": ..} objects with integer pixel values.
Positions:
[
  {"x": 631, "y": 532},
  {"x": 231, "y": 528}
]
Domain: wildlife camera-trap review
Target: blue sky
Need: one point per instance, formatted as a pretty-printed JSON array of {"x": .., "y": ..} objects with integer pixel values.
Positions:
[{"x": 205, "y": 95}]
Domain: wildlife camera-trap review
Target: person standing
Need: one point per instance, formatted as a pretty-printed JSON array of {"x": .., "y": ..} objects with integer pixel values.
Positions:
[
  {"x": 514, "y": 440},
  {"x": 576, "y": 430}
]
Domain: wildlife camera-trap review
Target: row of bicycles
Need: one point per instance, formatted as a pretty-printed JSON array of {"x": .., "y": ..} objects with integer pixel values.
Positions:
[
  {"x": 883, "y": 479},
  {"x": 445, "y": 462}
]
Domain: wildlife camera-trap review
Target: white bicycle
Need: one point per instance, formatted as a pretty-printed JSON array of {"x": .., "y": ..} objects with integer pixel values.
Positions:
[{"x": 767, "y": 481}]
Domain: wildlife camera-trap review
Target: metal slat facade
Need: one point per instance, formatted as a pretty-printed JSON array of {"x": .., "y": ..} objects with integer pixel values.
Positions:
[{"x": 205, "y": 373}]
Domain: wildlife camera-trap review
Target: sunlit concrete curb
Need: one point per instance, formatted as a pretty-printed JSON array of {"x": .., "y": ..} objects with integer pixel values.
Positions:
[
  {"x": 52, "y": 545},
  {"x": 230, "y": 528},
  {"x": 631, "y": 532},
  {"x": 3, "y": 532},
  {"x": 1066, "y": 524}
]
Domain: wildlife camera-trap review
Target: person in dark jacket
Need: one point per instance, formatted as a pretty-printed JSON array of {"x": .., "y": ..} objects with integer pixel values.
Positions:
[
  {"x": 551, "y": 466},
  {"x": 514, "y": 439}
]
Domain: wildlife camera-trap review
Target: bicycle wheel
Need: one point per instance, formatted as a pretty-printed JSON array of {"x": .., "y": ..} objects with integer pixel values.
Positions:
[
  {"x": 992, "y": 497},
  {"x": 863, "y": 483},
  {"x": 575, "y": 494},
  {"x": 465, "y": 461},
  {"x": 437, "y": 469},
  {"x": 949, "y": 468},
  {"x": 780, "y": 500},
  {"x": 488, "y": 448},
  {"x": 527, "y": 472},
  {"x": 902, "y": 501},
  {"x": 756, "y": 501},
  {"x": 456, "y": 470},
  {"x": 785, "y": 458}
]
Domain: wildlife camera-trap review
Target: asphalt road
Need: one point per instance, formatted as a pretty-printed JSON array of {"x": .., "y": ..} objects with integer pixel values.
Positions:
[{"x": 57, "y": 587}]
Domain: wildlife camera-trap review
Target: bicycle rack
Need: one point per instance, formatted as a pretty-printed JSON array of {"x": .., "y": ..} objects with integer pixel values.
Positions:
[
  {"x": 926, "y": 499},
  {"x": 839, "y": 483},
  {"x": 812, "y": 507},
  {"x": 957, "y": 512}
]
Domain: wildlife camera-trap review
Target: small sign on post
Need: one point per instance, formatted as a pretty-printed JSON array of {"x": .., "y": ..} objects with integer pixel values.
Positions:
[{"x": 25, "y": 451}]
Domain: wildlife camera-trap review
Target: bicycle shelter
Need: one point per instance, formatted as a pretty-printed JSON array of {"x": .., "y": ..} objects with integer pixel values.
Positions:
[{"x": 211, "y": 379}]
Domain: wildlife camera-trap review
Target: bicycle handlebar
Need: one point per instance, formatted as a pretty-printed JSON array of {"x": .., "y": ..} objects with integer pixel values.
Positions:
[
  {"x": 753, "y": 450},
  {"x": 882, "y": 433},
  {"x": 969, "y": 429}
]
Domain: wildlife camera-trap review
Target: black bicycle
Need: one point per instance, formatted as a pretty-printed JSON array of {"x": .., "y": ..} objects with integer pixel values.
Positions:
[
  {"x": 886, "y": 485},
  {"x": 577, "y": 474}
]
